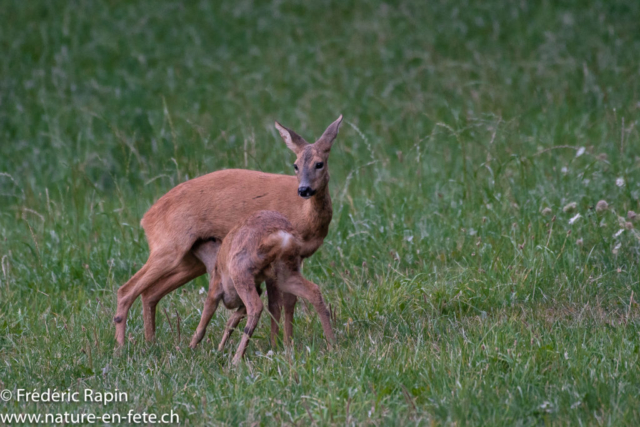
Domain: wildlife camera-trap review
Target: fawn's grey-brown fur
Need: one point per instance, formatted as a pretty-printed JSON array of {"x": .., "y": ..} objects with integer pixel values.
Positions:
[{"x": 265, "y": 246}]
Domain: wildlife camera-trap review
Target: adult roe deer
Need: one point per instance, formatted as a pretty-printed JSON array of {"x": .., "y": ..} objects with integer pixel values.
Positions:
[
  {"x": 201, "y": 212},
  {"x": 262, "y": 247}
]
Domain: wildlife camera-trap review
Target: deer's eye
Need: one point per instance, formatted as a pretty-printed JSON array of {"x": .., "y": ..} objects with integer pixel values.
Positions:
[
  {"x": 319, "y": 165},
  {"x": 295, "y": 167}
]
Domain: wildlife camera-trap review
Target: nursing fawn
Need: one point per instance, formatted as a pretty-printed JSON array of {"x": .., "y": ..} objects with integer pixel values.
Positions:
[{"x": 264, "y": 246}]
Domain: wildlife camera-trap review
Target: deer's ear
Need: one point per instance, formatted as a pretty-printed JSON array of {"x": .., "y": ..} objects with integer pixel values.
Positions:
[
  {"x": 325, "y": 142},
  {"x": 294, "y": 141}
]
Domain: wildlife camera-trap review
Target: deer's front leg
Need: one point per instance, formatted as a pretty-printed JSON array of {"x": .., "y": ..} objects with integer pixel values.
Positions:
[
  {"x": 289, "y": 302},
  {"x": 298, "y": 285},
  {"x": 275, "y": 308}
]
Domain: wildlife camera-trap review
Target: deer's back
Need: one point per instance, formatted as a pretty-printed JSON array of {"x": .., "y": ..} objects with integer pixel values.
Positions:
[{"x": 211, "y": 205}]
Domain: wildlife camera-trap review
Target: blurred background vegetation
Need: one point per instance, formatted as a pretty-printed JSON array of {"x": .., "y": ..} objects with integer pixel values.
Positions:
[{"x": 463, "y": 122}]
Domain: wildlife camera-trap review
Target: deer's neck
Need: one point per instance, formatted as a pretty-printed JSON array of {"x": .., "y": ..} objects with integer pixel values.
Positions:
[
  {"x": 318, "y": 212},
  {"x": 319, "y": 209}
]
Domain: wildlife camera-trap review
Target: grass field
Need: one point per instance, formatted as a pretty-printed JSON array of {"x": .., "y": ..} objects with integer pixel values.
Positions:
[{"x": 464, "y": 293}]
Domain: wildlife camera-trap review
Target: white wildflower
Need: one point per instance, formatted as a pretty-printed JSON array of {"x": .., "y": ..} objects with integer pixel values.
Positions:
[
  {"x": 580, "y": 152},
  {"x": 574, "y": 219},
  {"x": 620, "y": 182}
]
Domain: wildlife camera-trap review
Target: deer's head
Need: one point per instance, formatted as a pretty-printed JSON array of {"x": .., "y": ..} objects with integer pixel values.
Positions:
[{"x": 311, "y": 165}]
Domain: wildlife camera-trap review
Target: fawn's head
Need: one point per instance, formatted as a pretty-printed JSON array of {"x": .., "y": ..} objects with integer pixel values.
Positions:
[{"x": 311, "y": 159}]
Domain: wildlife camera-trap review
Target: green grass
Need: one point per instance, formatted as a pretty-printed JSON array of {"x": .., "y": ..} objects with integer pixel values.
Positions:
[{"x": 457, "y": 301}]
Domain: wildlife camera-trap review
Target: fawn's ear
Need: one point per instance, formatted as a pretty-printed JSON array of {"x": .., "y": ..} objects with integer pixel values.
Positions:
[
  {"x": 325, "y": 142},
  {"x": 295, "y": 142}
]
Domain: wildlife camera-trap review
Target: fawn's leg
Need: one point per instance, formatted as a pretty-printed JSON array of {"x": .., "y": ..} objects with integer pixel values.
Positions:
[
  {"x": 245, "y": 285},
  {"x": 232, "y": 323},
  {"x": 275, "y": 309},
  {"x": 298, "y": 285},
  {"x": 289, "y": 302},
  {"x": 210, "y": 306}
]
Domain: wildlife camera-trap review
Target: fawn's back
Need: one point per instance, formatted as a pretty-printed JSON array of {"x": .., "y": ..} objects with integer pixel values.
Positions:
[{"x": 257, "y": 243}]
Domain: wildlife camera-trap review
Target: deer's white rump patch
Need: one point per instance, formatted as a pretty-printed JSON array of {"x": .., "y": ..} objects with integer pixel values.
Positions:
[{"x": 285, "y": 239}]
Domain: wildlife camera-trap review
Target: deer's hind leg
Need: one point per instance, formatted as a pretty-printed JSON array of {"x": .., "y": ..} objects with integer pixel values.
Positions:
[
  {"x": 125, "y": 299},
  {"x": 188, "y": 269},
  {"x": 158, "y": 265},
  {"x": 232, "y": 323},
  {"x": 237, "y": 316},
  {"x": 245, "y": 286}
]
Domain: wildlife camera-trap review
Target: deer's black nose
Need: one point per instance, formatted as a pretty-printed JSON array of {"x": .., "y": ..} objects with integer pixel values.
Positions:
[{"x": 305, "y": 192}]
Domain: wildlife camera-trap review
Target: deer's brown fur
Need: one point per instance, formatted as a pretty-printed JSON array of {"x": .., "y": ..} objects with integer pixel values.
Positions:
[
  {"x": 185, "y": 227},
  {"x": 265, "y": 246}
]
